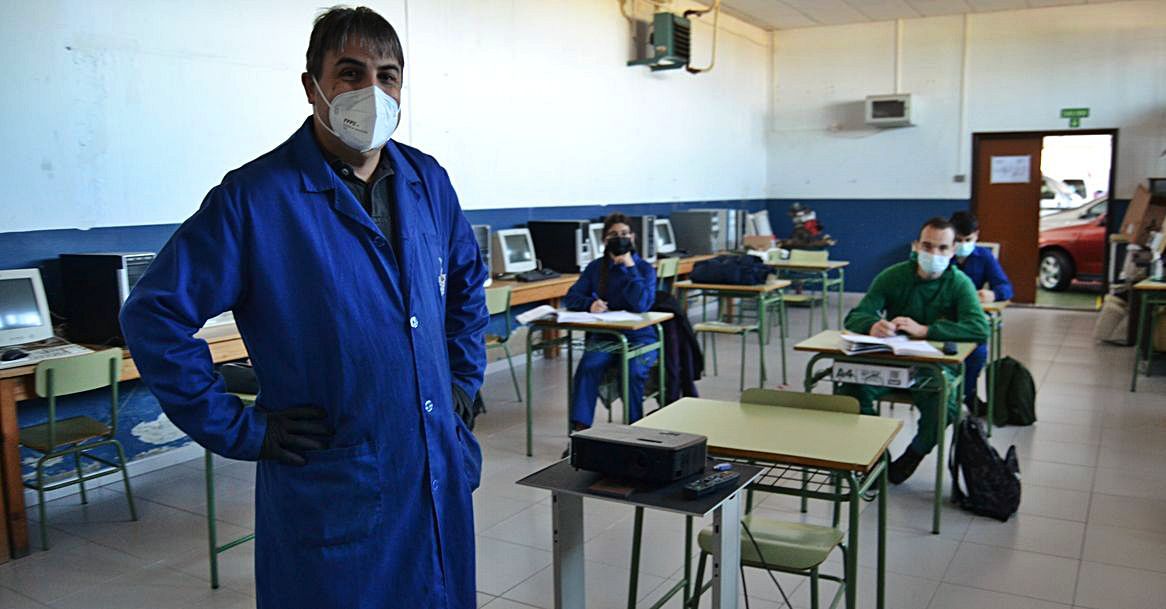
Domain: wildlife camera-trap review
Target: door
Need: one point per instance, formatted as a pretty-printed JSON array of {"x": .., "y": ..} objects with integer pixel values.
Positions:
[{"x": 1006, "y": 191}]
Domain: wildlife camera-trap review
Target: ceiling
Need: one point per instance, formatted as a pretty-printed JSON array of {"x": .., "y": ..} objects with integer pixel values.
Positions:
[{"x": 789, "y": 14}]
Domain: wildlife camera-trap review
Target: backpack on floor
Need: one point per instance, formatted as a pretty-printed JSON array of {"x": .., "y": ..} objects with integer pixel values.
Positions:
[
  {"x": 1015, "y": 393},
  {"x": 991, "y": 485}
]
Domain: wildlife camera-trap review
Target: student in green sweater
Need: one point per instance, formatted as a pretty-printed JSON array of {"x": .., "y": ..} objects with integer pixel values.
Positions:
[{"x": 925, "y": 297}]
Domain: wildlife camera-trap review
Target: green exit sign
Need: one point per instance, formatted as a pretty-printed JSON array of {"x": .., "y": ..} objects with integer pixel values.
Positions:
[{"x": 1074, "y": 115}]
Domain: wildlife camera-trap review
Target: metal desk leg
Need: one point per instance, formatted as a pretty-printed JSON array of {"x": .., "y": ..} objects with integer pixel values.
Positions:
[
  {"x": 1139, "y": 339},
  {"x": 529, "y": 395},
  {"x": 762, "y": 320},
  {"x": 570, "y": 378},
  {"x": 841, "y": 293},
  {"x": 825, "y": 300},
  {"x": 211, "y": 529},
  {"x": 570, "y": 578},
  {"x": 661, "y": 368},
  {"x": 637, "y": 535},
  {"x": 727, "y": 559},
  {"x": 623, "y": 378},
  {"x": 941, "y": 440},
  {"x": 989, "y": 373},
  {"x": 882, "y": 554},
  {"x": 852, "y": 549}
]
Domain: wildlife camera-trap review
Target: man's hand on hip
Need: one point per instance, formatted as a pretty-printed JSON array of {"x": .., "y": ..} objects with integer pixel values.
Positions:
[{"x": 292, "y": 432}]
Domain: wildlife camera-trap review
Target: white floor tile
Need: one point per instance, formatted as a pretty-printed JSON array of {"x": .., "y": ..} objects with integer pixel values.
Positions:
[
  {"x": 1030, "y": 533},
  {"x": 1113, "y": 587},
  {"x": 951, "y": 596},
  {"x": 1126, "y": 547},
  {"x": 1013, "y": 572}
]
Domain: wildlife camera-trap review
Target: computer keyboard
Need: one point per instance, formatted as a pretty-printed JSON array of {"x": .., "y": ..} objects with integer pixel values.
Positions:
[
  {"x": 537, "y": 275},
  {"x": 36, "y": 355}
]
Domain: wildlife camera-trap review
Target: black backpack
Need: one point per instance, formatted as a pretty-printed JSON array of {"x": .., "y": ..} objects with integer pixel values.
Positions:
[
  {"x": 1015, "y": 394},
  {"x": 991, "y": 484},
  {"x": 744, "y": 269}
]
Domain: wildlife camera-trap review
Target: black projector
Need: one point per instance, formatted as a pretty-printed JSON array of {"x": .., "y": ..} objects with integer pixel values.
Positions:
[{"x": 638, "y": 453}]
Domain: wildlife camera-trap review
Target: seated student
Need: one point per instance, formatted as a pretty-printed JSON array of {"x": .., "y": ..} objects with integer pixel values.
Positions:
[
  {"x": 982, "y": 268},
  {"x": 924, "y": 298},
  {"x": 619, "y": 281}
]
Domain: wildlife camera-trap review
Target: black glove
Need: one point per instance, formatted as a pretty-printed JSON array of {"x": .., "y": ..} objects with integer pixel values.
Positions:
[
  {"x": 293, "y": 431},
  {"x": 466, "y": 408}
]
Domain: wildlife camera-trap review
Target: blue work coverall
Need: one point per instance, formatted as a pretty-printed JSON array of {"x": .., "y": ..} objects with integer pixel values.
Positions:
[
  {"x": 383, "y": 518},
  {"x": 628, "y": 289},
  {"x": 983, "y": 269}
]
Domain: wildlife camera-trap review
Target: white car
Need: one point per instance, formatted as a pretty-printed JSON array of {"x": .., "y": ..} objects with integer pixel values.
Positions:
[{"x": 1055, "y": 195}]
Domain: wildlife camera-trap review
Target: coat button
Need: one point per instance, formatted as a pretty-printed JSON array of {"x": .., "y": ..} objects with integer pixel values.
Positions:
[
  {"x": 428, "y": 406},
  {"x": 434, "y": 485},
  {"x": 413, "y": 322},
  {"x": 380, "y": 242}
]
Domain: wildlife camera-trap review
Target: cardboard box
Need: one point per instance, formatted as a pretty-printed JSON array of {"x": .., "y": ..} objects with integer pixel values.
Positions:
[
  {"x": 1144, "y": 215},
  {"x": 898, "y": 377}
]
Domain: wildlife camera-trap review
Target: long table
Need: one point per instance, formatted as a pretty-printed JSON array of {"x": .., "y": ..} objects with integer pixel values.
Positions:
[
  {"x": 17, "y": 384},
  {"x": 852, "y": 447}
]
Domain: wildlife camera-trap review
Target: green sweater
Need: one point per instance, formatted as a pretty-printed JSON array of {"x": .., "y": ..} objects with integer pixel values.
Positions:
[{"x": 948, "y": 305}]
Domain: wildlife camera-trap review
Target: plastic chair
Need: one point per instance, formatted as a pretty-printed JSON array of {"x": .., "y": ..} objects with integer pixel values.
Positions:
[
  {"x": 498, "y": 303},
  {"x": 713, "y": 328},
  {"x": 666, "y": 271},
  {"x": 788, "y": 547},
  {"x": 809, "y": 281},
  {"x": 74, "y": 436}
]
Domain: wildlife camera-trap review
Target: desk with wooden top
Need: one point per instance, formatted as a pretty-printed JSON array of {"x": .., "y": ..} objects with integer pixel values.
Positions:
[
  {"x": 828, "y": 345},
  {"x": 1153, "y": 295},
  {"x": 550, "y": 331},
  {"x": 17, "y": 384},
  {"x": 823, "y": 269},
  {"x": 850, "y": 447},
  {"x": 765, "y": 294}
]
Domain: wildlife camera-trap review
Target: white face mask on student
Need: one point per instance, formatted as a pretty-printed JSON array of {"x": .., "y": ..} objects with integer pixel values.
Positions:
[
  {"x": 964, "y": 249},
  {"x": 933, "y": 265},
  {"x": 363, "y": 119}
]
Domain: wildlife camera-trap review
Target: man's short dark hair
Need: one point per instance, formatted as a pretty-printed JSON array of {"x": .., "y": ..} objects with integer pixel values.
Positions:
[
  {"x": 938, "y": 223},
  {"x": 333, "y": 29},
  {"x": 964, "y": 223},
  {"x": 615, "y": 218}
]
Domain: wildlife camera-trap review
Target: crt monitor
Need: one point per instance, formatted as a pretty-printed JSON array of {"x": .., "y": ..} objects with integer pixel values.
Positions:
[
  {"x": 24, "y": 311},
  {"x": 597, "y": 239},
  {"x": 665, "y": 240},
  {"x": 513, "y": 251}
]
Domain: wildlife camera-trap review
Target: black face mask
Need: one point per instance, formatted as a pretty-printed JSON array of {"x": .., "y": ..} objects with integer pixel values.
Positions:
[{"x": 618, "y": 246}]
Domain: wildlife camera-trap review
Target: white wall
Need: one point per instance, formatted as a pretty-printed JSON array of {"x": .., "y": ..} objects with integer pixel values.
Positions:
[
  {"x": 1023, "y": 67},
  {"x": 127, "y": 112}
]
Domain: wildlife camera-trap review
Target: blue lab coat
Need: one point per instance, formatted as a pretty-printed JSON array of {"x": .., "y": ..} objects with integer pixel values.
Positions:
[
  {"x": 982, "y": 268},
  {"x": 331, "y": 318}
]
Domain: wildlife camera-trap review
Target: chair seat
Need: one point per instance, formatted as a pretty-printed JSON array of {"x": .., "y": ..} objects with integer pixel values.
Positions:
[
  {"x": 69, "y": 431},
  {"x": 801, "y": 298},
  {"x": 793, "y": 546},
  {"x": 721, "y": 327}
]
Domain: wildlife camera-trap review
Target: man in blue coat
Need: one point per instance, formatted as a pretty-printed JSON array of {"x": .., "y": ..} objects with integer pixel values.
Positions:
[
  {"x": 981, "y": 266},
  {"x": 356, "y": 284}
]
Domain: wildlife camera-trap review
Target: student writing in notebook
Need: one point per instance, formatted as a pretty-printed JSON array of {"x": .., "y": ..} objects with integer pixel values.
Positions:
[
  {"x": 925, "y": 298},
  {"x": 619, "y": 281}
]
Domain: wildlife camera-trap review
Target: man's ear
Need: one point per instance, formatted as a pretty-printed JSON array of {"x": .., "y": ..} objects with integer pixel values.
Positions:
[{"x": 309, "y": 88}]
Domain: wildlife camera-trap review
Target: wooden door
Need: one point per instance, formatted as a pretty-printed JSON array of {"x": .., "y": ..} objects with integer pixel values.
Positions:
[{"x": 1007, "y": 203}]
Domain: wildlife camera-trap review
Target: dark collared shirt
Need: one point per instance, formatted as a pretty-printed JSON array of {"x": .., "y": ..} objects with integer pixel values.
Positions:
[{"x": 376, "y": 195}]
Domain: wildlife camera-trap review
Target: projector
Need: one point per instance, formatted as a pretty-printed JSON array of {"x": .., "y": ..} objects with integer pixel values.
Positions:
[{"x": 638, "y": 453}]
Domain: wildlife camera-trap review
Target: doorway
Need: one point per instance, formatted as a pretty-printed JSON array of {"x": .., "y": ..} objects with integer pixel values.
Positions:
[{"x": 1043, "y": 197}]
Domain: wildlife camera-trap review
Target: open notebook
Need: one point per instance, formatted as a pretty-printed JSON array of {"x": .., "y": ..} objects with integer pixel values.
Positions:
[
  {"x": 854, "y": 344},
  {"x": 575, "y": 316}
]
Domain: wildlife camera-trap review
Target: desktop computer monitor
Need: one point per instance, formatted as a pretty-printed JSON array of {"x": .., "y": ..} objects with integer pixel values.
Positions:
[
  {"x": 485, "y": 249},
  {"x": 597, "y": 239},
  {"x": 513, "y": 251},
  {"x": 562, "y": 245},
  {"x": 665, "y": 240},
  {"x": 24, "y": 311},
  {"x": 759, "y": 224}
]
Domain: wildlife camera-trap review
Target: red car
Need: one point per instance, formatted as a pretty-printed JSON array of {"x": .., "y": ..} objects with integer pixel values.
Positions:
[{"x": 1072, "y": 245}]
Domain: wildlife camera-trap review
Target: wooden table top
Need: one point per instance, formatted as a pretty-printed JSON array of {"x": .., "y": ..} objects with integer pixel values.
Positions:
[
  {"x": 1150, "y": 285},
  {"x": 828, "y": 265},
  {"x": 648, "y": 319},
  {"x": 832, "y": 440},
  {"x": 830, "y": 341},
  {"x": 995, "y": 308},
  {"x": 726, "y": 287}
]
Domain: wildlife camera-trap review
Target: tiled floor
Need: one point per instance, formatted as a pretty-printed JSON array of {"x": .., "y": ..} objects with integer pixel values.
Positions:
[{"x": 1091, "y": 531}]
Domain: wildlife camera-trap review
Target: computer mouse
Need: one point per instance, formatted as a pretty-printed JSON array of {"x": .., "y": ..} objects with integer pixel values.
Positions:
[{"x": 11, "y": 355}]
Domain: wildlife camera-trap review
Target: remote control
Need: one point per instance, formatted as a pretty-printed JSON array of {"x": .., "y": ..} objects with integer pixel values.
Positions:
[
  {"x": 950, "y": 348},
  {"x": 709, "y": 483}
]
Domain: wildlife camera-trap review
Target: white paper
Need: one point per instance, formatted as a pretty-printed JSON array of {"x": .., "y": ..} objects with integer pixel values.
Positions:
[
  {"x": 618, "y": 316},
  {"x": 901, "y": 345},
  {"x": 1011, "y": 169},
  {"x": 535, "y": 313},
  {"x": 574, "y": 317}
]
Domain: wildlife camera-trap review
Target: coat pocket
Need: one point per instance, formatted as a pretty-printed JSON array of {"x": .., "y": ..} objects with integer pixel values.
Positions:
[
  {"x": 334, "y": 499},
  {"x": 471, "y": 454}
]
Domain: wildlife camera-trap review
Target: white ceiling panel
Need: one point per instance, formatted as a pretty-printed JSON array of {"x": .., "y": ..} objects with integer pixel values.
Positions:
[
  {"x": 935, "y": 8},
  {"x": 884, "y": 10},
  {"x": 828, "y": 12},
  {"x": 770, "y": 14},
  {"x": 983, "y": 6}
]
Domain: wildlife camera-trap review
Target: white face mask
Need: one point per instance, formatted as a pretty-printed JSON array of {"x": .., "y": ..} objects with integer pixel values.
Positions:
[
  {"x": 933, "y": 265},
  {"x": 363, "y": 119},
  {"x": 965, "y": 248}
]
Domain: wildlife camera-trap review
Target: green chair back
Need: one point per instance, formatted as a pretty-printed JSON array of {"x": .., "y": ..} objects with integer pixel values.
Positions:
[
  {"x": 498, "y": 303},
  {"x": 666, "y": 271},
  {"x": 808, "y": 256},
  {"x": 798, "y": 399},
  {"x": 76, "y": 374}
]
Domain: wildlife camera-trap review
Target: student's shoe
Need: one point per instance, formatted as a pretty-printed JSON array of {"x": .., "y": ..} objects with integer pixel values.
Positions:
[{"x": 904, "y": 466}]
